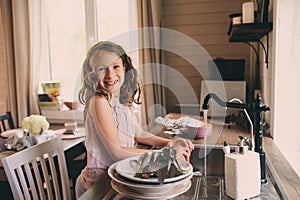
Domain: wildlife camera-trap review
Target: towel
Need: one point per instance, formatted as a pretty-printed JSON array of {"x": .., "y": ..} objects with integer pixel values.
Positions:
[{"x": 181, "y": 122}]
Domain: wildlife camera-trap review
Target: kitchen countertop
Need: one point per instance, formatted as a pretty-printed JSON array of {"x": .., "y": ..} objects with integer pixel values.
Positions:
[
  {"x": 284, "y": 175},
  {"x": 286, "y": 179},
  {"x": 202, "y": 187}
]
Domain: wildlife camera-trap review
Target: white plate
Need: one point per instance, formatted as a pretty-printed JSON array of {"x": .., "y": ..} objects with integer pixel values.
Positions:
[
  {"x": 125, "y": 169},
  {"x": 8, "y": 133},
  {"x": 144, "y": 188},
  {"x": 69, "y": 136},
  {"x": 173, "y": 192}
]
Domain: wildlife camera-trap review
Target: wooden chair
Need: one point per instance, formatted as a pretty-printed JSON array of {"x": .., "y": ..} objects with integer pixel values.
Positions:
[
  {"x": 7, "y": 122},
  {"x": 39, "y": 172}
]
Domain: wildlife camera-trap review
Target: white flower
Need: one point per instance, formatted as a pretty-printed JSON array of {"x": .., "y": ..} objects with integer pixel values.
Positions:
[{"x": 35, "y": 124}]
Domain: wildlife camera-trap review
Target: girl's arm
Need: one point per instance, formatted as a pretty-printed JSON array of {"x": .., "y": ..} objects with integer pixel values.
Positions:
[
  {"x": 149, "y": 139},
  {"x": 102, "y": 115},
  {"x": 183, "y": 147},
  {"x": 103, "y": 119}
]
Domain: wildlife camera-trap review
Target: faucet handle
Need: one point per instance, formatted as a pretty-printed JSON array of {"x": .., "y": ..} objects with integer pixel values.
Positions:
[
  {"x": 247, "y": 141},
  {"x": 265, "y": 108},
  {"x": 259, "y": 107},
  {"x": 243, "y": 140},
  {"x": 243, "y": 145}
]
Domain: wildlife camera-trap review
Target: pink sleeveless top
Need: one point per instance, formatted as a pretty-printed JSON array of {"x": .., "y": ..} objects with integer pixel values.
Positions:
[{"x": 98, "y": 159}]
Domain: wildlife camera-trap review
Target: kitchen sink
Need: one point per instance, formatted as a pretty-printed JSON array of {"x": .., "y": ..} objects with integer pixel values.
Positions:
[
  {"x": 208, "y": 181},
  {"x": 214, "y": 160}
]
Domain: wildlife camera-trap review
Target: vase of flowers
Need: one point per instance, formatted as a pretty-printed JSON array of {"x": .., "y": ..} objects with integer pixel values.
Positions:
[{"x": 35, "y": 124}]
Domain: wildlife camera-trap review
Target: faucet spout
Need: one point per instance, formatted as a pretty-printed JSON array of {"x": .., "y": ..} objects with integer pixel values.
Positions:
[
  {"x": 213, "y": 96},
  {"x": 251, "y": 145}
]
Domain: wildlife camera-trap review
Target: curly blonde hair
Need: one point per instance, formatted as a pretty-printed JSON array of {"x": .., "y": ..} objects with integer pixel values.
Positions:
[{"x": 130, "y": 90}]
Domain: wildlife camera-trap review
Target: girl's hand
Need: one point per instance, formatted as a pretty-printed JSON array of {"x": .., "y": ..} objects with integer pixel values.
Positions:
[{"x": 183, "y": 147}]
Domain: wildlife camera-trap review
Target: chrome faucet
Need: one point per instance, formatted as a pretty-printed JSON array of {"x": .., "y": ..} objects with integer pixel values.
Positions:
[
  {"x": 257, "y": 107},
  {"x": 251, "y": 143}
]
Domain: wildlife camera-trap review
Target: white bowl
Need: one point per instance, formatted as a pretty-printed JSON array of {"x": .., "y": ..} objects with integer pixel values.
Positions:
[
  {"x": 199, "y": 132},
  {"x": 71, "y": 127}
]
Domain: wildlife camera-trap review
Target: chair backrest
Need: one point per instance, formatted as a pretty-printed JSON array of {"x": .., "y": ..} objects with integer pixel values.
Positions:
[
  {"x": 7, "y": 122},
  {"x": 39, "y": 172}
]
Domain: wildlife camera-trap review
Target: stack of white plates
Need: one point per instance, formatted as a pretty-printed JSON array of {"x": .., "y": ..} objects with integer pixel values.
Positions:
[{"x": 126, "y": 183}]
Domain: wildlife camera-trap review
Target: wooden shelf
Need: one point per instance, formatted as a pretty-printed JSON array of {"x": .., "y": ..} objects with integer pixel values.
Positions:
[{"x": 249, "y": 32}]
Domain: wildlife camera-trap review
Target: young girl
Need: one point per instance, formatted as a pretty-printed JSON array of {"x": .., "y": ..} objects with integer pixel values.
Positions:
[{"x": 110, "y": 87}]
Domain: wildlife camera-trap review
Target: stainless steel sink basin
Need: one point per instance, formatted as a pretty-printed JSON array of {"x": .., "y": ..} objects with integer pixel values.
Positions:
[{"x": 214, "y": 160}]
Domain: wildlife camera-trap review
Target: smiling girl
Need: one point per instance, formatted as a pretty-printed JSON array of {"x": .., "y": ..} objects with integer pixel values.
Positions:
[{"x": 110, "y": 87}]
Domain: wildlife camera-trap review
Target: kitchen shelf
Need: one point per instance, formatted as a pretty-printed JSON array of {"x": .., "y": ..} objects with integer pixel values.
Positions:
[{"x": 252, "y": 32}]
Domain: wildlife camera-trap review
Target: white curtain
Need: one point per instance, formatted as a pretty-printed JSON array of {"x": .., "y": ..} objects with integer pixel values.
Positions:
[
  {"x": 149, "y": 15},
  {"x": 27, "y": 23}
]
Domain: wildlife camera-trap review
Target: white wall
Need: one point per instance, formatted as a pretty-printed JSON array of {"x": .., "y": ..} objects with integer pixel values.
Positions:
[
  {"x": 266, "y": 71},
  {"x": 286, "y": 81}
]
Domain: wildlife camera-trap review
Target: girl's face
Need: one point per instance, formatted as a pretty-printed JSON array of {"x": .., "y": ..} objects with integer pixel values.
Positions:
[{"x": 110, "y": 70}]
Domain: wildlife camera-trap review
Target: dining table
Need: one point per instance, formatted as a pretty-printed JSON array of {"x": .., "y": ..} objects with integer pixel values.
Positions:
[
  {"x": 73, "y": 144},
  {"x": 74, "y": 149}
]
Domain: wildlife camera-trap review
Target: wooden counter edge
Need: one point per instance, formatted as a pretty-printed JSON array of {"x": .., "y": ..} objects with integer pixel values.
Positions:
[{"x": 284, "y": 175}]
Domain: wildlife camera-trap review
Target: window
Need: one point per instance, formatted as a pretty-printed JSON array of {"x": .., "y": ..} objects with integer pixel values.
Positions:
[
  {"x": 73, "y": 26},
  {"x": 113, "y": 18},
  {"x": 66, "y": 43}
]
